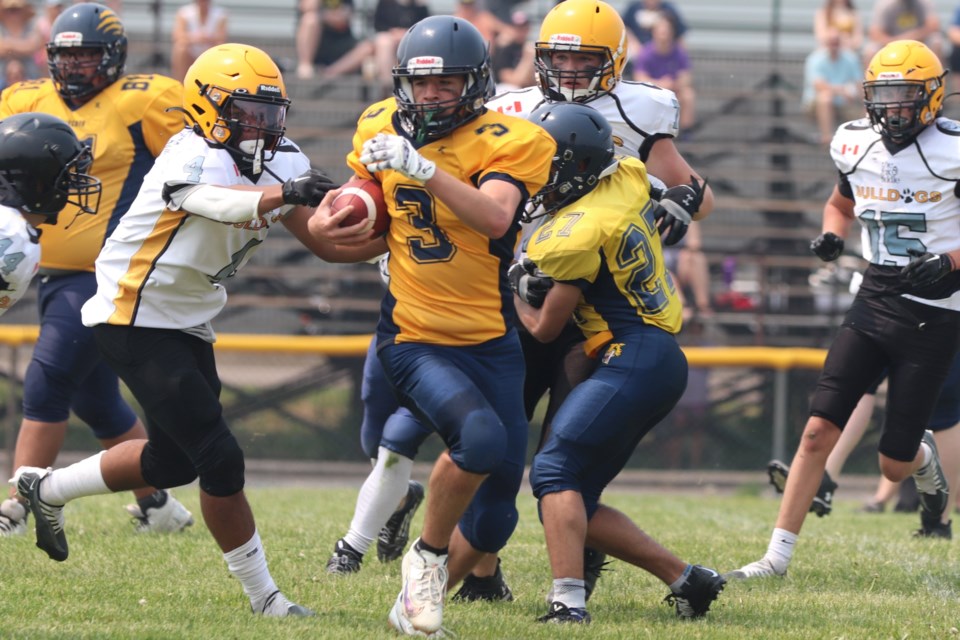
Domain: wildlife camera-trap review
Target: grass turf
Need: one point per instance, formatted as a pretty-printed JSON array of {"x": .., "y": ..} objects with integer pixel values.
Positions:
[{"x": 854, "y": 576}]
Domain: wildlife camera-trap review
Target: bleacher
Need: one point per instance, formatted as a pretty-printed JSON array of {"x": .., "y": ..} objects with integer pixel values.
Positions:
[{"x": 752, "y": 139}]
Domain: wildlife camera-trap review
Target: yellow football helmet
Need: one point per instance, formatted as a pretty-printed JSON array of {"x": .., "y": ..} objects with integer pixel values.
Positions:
[
  {"x": 235, "y": 97},
  {"x": 584, "y": 26},
  {"x": 903, "y": 89}
]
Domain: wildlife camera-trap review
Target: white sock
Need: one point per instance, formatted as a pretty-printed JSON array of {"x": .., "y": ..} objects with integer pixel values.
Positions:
[
  {"x": 379, "y": 497},
  {"x": 248, "y": 564},
  {"x": 927, "y": 455},
  {"x": 570, "y": 592},
  {"x": 780, "y": 549},
  {"x": 79, "y": 480}
]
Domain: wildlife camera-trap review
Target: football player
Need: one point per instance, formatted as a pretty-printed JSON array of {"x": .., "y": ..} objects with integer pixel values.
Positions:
[
  {"x": 42, "y": 168},
  {"x": 600, "y": 246},
  {"x": 125, "y": 121},
  {"x": 900, "y": 177},
  {"x": 580, "y": 56},
  {"x": 456, "y": 176},
  {"x": 208, "y": 203}
]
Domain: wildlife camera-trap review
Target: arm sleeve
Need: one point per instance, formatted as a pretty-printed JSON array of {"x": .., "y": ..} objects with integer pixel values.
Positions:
[{"x": 216, "y": 203}]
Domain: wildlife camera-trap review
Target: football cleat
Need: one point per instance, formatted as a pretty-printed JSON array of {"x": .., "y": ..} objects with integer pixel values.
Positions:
[
  {"x": 394, "y": 535},
  {"x": 277, "y": 606},
  {"x": 490, "y": 588},
  {"x": 762, "y": 568},
  {"x": 822, "y": 503},
  {"x": 345, "y": 559},
  {"x": 50, "y": 535},
  {"x": 594, "y": 563},
  {"x": 419, "y": 606},
  {"x": 698, "y": 592},
  {"x": 560, "y": 613},
  {"x": 169, "y": 517},
  {"x": 932, "y": 488},
  {"x": 934, "y": 529},
  {"x": 13, "y": 518}
]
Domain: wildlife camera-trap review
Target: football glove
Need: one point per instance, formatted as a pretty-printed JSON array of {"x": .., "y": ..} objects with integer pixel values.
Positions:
[
  {"x": 393, "y": 152},
  {"x": 529, "y": 283},
  {"x": 827, "y": 246},
  {"x": 308, "y": 188},
  {"x": 926, "y": 268},
  {"x": 676, "y": 209}
]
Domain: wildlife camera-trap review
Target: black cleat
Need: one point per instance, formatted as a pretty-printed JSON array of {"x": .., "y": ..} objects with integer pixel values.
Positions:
[
  {"x": 562, "y": 614},
  {"x": 345, "y": 559},
  {"x": 49, "y": 518},
  {"x": 698, "y": 593},
  {"x": 395, "y": 534},
  {"x": 822, "y": 503},
  {"x": 490, "y": 588}
]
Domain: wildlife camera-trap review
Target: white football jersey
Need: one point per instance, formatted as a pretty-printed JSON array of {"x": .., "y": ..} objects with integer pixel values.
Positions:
[
  {"x": 19, "y": 256},
  {"x": 636, "y": 111},
  {"x": 907, "y": 200},
  {"x": 165, "y": 269}
]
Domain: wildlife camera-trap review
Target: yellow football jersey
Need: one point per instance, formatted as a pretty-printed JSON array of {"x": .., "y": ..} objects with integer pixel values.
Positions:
[
  {"x": 447, "y": 281},
  {"x": 126, "y": 125},
  {"x": 607, "y": 244}
]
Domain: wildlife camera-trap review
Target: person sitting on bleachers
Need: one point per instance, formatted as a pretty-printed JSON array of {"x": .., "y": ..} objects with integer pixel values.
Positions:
[
  {"x": 663, "y": 61},
  {"x": 513, "y": 54},
  {"x": 324, "y": 35},
  {"x": 196, "y": 27},
  {"x": 904, "y": 20},
  {"x": 831, "y": 91},
  {"x": 19, "y": 41}
]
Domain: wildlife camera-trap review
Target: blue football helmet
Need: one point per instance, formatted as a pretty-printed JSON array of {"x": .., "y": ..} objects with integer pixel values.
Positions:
[{"x": 87, "y": 26}]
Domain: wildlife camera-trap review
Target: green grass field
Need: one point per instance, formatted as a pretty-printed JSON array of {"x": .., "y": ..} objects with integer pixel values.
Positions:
[{"x": 855, "y": 576}]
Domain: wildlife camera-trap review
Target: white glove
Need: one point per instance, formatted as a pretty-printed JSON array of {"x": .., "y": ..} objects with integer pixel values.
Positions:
[{"x": 394, "y": 152}]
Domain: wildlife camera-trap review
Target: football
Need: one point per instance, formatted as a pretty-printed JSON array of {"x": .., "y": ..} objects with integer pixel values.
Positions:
[{"x": 366, "y": 196}]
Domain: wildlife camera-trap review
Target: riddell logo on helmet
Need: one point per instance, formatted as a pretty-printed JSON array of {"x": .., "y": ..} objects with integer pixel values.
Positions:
[
  {"x": 569, "y": 39},
  {"x": 269, "y": 88},
  {"x": 425, "y": 62},
  {"x": 889, "y": 75},
  {"x": 68, "y": 39}
]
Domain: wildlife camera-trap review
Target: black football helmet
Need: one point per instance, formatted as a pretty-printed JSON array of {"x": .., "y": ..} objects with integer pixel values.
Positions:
[
  {"x": 584, "y": 155},
  {"x": 441, "y": 46},
  {"x": 43, "y": 166},
  {"x": 86, "y": 26}
]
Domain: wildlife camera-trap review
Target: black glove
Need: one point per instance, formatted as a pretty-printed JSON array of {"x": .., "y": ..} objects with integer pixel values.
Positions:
[
  {"x": 926, "y": 268},
  {"x": 308, "y": 188},
  {"x": 529, "y": 283},
  {"x": 676, "y": 209},
  {"x": 827, "y": 246}
]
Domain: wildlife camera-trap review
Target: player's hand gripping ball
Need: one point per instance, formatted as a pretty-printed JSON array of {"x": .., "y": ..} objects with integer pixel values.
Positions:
[{"x": 366, "y": 196}]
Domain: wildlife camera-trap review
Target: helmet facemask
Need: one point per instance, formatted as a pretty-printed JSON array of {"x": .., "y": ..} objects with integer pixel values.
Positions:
[
  {"x": 432, "y": 120},
  {"x": 900, "y": 109},
  {"x": 602, "y": 78},
  {"x": 32, "y": 192},
  {"x": 249, "y": 126}
]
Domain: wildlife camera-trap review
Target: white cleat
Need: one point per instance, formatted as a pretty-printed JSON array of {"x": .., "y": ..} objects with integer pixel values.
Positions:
[
  {"x": 13, "y": 518},
  {"x": 278, "y": 606},
  {"x": 172, "y": 517},
  {"x": 419, "y": 607},
  {"x": 762, "y": 568}
]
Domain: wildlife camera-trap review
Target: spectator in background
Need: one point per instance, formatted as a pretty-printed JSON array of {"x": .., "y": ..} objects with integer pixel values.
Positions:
[
  {"x": 324, "y": 35},
  {"x": 832, "y": 92},
  {"x": 475, "y": 12},
  {"x": 663, "y": 61},
  {"x": 391, "y": 19},
  {"x": 953, "y": 34},
  {"x": 196, "y": 27},
  {"x": 842, "y": 16},
  {"x": 19, "y": 42},
  {"x": 513, "y": 54},
  {"x": 640, "y": 16},
  {"x": 688, "y": 264},
  {"x": 689, "y": 420},
  {"x": 904, "y": 20},
  {"x": 51, "y": 9}
]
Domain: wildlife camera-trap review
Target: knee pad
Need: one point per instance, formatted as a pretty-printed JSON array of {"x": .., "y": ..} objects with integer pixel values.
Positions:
[
  {"x": 490, "y": 519},
  {"x": 403, "y": 434},
  {"x": 46, "y": 393},
  {"x": 481, "y": 443},
  {"x": 220, "y": 465},
  {"x": 899, "y": 444},
  {"x": 165, "y": 469}
]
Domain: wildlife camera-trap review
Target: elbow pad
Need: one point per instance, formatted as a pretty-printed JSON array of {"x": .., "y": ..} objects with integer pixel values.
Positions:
[{"x": 221, "y": 204}]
